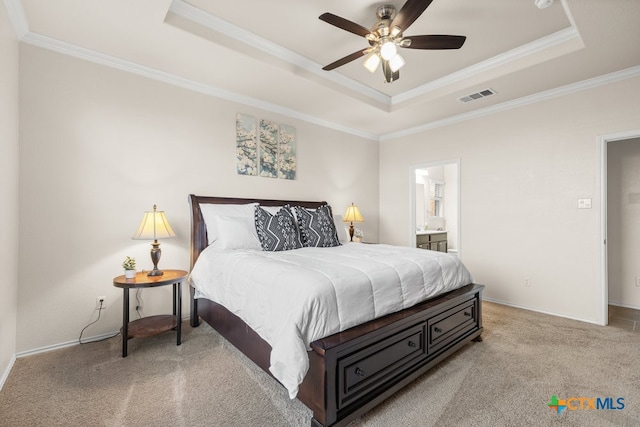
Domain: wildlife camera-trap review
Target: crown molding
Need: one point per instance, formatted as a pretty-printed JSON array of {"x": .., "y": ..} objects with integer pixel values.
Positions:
[
  {"x": 141, "y": 70},
  {"x": 18, "y": 20},
  {"x": 501, "y": 60},
  {"x": 199, "y": 16},
  {"x": 520, "y": 102}
]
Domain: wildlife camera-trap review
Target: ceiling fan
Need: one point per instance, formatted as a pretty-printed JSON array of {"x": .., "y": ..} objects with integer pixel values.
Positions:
[{"x": 387, "y": 34}]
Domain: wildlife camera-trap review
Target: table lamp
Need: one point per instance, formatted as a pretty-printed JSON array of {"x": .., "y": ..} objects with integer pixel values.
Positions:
[
  {"x": 154, "y": 226},
  {"x": 352, "y": 215}
]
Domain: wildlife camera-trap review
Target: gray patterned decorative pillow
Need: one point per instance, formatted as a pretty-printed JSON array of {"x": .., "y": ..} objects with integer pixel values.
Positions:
[
  {"x": 277, "y": 232},
  {"x": 317, "y": 227}
]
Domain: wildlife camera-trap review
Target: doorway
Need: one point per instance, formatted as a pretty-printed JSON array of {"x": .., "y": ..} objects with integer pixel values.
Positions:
[
  {"x": 620, "y": 205},
  {"x": 435, "y": 202}
]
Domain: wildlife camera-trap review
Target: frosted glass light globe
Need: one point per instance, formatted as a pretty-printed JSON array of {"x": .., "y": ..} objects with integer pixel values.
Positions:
[{"x": 388, "y": 50}]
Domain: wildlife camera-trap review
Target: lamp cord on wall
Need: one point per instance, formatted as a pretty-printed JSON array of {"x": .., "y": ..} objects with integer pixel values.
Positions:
[
  {"x": 103, "y": 339},
  {"x": 139, "y": 304}
]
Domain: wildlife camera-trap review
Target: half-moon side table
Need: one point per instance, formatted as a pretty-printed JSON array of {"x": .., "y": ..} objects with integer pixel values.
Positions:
[{"x": 151, "y": 325}]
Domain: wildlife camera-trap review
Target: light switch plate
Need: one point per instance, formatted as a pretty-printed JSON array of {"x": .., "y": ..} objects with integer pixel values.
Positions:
[{"x": 584, "y": 203}]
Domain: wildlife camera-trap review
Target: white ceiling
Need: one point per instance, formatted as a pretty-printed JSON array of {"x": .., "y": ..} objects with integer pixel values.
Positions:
[{"x": 270, "y": 54}]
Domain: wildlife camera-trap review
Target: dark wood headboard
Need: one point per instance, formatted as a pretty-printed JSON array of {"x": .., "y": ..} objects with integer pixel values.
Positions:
[{"x": 199, "y": 230}]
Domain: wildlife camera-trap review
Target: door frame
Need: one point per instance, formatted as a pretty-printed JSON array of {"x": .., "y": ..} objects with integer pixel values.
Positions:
[
  {"x": 412, "y": 199},
  {"x": 603, "y": 291}
]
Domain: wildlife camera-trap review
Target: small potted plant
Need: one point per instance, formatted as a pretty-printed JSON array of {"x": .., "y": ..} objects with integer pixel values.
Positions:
[{"x": 129, "y": 266}]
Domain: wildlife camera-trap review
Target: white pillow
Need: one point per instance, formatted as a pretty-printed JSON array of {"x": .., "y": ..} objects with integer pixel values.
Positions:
[
  {"x": 210, "y": 213},
  {"x": 343, "y": 233},
  {"x": 273, "y": 210},
  {"x": 236, "y": 232}
]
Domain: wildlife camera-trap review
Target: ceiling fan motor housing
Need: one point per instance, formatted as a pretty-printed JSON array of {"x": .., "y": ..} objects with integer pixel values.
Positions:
[{"x": 386, "y": 12}]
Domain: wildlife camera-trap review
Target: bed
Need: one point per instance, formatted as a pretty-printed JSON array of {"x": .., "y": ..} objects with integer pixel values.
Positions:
[{"x": 347, "y": 372}]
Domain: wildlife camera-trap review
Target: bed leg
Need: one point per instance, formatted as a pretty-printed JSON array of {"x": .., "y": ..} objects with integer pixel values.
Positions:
[
  {"x": 477, "y": 339},
  {"x": 194, "y": 318}
]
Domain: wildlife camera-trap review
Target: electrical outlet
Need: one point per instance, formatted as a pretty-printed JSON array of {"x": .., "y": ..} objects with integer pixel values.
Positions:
[
  {"x": 638, "y": 281},
  {"x": 527, "y": 281},
  {"x": 100, "y": 300}
]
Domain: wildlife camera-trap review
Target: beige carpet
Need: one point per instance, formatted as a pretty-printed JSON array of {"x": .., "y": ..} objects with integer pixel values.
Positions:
[{"x": 506, "y": 380}]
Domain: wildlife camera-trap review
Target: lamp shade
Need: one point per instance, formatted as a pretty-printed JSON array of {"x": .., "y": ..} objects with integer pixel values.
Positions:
[
  {"x": 352, "y": 214},
  {"x": 372, "y": 62},
  {"x": 154, "y": 225}
]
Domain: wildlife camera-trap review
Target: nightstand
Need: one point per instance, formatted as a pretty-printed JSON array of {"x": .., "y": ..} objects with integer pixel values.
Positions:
[{"x": 151, "y": 325}]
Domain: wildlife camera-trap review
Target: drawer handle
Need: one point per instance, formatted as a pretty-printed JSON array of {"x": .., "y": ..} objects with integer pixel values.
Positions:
[
  {"x": 437, "y": 330},
  {"x": 466, "y": 313},
  {"x": 412, "y": 344},
  {"x": 359, "y": 372}
]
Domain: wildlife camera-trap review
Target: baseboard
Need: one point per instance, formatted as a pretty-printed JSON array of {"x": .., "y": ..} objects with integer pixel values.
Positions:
[
  {"x": 6, "y": 372},
  {"x": 72, "y": 343},
  {"x": 617, "y": 304},
  {"x": 550, "y": 313},
  {"x": 64, "y": 344}
]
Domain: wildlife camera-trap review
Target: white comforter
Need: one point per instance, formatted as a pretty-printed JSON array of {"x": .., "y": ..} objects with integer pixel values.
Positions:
[{"x": 293, "y": 298}]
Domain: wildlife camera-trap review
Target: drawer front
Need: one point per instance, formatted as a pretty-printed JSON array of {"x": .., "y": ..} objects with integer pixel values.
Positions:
[
  {"x": 439, "y": 237},
  {"x": 422, "y": 239},
  {"x": 369, "y": 368},
  {"x": 443, "y": 327}
]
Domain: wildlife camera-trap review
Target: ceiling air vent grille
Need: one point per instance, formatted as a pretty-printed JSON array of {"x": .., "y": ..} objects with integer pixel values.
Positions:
[{"x": 478, "y": 95}]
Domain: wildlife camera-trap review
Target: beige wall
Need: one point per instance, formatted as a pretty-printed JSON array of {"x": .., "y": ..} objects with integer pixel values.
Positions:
[
  {"x": 522, "y": 172},
  {"x": 99, "y": 147},
  {"x": 8, "y": 192},
  {"x": 623, "y": 218}
]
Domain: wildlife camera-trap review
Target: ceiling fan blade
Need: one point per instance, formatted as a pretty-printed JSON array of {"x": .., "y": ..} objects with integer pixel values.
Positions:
[
  {"x": 410, "y": 11},
  {"x": 340, "y": 62},
  {"x": 344, "y": 24},
  {"x": 436, "y": 41}
]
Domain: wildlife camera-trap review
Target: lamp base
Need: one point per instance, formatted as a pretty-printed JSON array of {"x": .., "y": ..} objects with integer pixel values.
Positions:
[
  {"x": 155, "y": 272},
  {"x": 155, "y": 257}
]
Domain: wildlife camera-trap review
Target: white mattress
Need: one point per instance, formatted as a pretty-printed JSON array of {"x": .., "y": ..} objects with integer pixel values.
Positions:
[{"x": 293, "y": 298}]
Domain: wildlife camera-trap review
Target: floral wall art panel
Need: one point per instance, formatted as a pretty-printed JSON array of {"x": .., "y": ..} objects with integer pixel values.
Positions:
[
  {"x": 246, "y": 145},
  {"x": 268, "y": 149},
  {"x": 287, "y": 151}
]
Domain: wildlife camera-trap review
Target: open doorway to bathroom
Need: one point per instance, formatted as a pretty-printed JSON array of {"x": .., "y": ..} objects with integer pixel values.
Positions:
[
  {"x": 620, "y": 203},
  {"x": 435, "y": 206},
  {"x": 621, "y": 200}
]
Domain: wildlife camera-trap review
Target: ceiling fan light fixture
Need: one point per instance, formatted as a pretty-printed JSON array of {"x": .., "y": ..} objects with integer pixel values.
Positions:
[
  {"x": 396, "y": 62},
  {"x": 372, "y": 62},
  {"x": 388, "y": 50},
  {"x": 395, "y": 31}
]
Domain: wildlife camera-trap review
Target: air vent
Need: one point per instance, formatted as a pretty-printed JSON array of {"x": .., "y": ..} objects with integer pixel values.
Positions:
[{"x": 478, "y": 95}]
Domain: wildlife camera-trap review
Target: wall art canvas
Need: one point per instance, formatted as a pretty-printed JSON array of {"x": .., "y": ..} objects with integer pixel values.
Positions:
[
  {"x": 265, "y": 148},
  {"x": 287, "y": 152},
  {"x": 246, "y": 145},
  {"x": 268, "y": 149}
]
